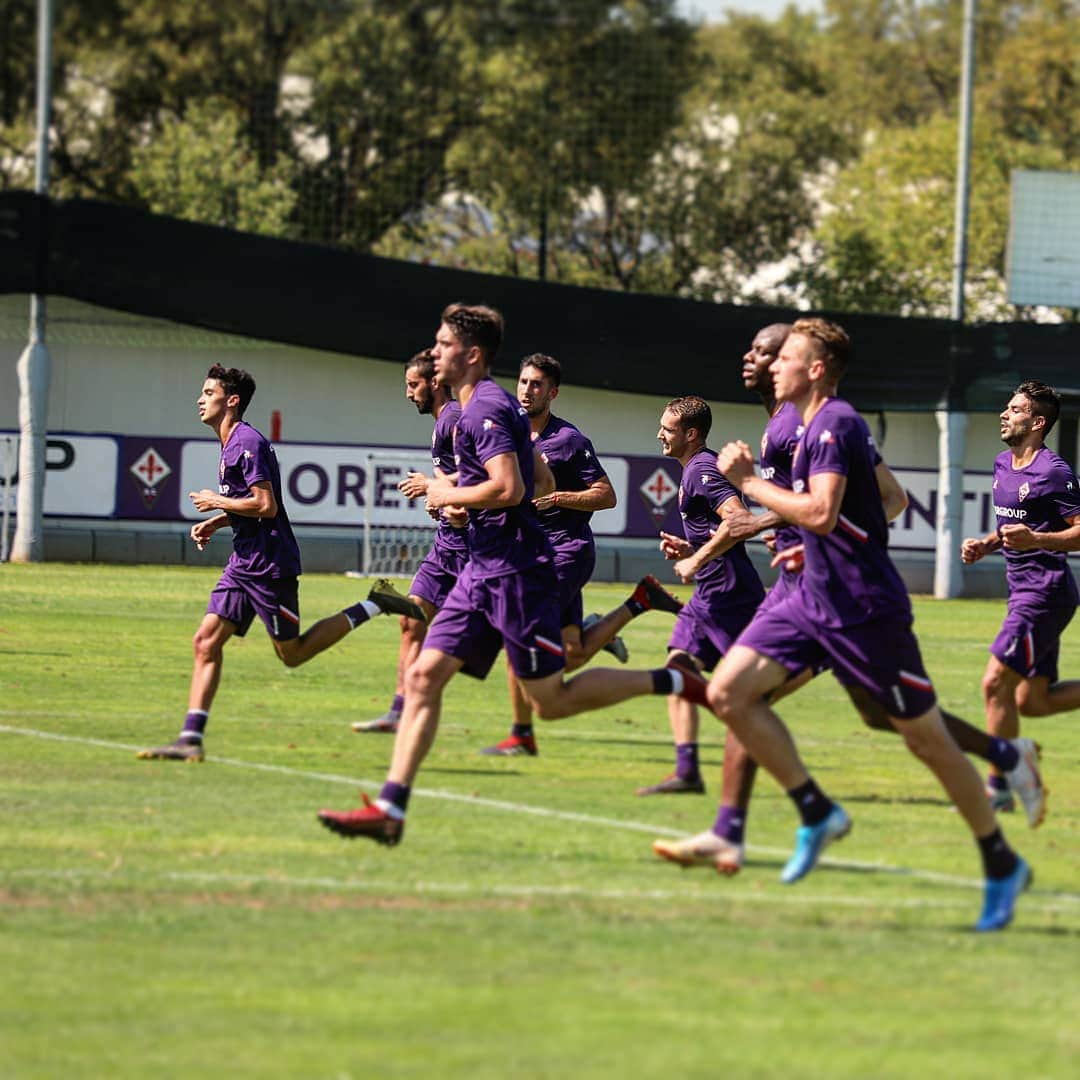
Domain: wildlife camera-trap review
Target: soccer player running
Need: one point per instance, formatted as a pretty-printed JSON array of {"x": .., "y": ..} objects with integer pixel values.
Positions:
[
  {"x": 723, "y": 845},
  {"x": 581, "y": 488},
  {"x": 849, "y": 606},
  {"x": 261, "y": 575},
  {"x": 727, "y": 588},
  {"x": 508, "y": 592},
  {"x": 1037, "y": 507},
  {"x": 443, "y": 564}
]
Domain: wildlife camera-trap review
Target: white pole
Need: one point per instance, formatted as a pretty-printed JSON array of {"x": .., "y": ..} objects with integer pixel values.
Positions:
[
  {"x": 952, "y": 425},
  {"x": 34, "y": 367},
  {"x": 5, "y": 517}
]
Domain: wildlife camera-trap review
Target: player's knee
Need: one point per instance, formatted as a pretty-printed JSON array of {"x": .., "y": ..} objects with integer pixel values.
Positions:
[
  {"x": 1031, "y": 704},
  {"x": 724, "y": 699},
  {"x": 420, "y": 682},
  {"x": 206, "y": 647},
  {"x": 549, "y": 707},
  {"x": 573, "y": 654},
  {"x": 290, "y": 657}
]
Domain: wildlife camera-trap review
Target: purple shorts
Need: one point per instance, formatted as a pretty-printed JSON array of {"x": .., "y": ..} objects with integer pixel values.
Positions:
[
  {"x": 1029, "y": 640},
  {"x": 706, "y": 634},
  {"x": 275, "y": 600},
  {"x": 438, "y": 574},
  {"x": 573, "y": 571},
  {"x": 518, "y": 610},
  {"x": 881, "y": 655}
]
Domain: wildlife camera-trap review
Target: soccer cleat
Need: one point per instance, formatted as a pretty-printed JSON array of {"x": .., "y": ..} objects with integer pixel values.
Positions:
[
  {"x": 388, "y": 723},
  {"x": 390, "y": 601},
  {"x": 675, "y": 785},
  {"x": 513, "y": 746},
  {"x": 1001, "y": 800},
  {"x": 652, "y": 596},
  {"x": 812, "y": 840},
  {"x": 695, "y": 684},
  {"x": 1026, "y": 781},
  {"x": 616, "y": 646},
  {"x": 1000, "y": 896},
  {"x": 705, "y": 849},
  {"x": 369, "y": 820},
  {"x": 175, "y": 751}
]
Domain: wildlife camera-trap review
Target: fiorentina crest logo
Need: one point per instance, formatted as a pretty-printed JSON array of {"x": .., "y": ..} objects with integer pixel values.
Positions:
[
  {"x": 150, "y": 470},
  {"x": 658, "y": 490},
  {"x": 1025, "y": 489}
]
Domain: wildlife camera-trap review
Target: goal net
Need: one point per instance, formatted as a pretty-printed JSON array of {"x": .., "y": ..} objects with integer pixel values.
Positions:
[{"x": 398, "y": 531}]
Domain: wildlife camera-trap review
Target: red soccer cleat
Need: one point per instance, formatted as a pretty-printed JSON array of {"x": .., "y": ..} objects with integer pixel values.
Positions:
[
  {"x": 513, "y": 746},
  {"x": 694, "y": 683},
  {"x": 369, "y": 820}
]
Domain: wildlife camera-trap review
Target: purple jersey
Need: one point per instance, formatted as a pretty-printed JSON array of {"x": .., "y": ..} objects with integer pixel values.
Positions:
[
  {"x": 778, "y": 442},
  {"x": 447, "y": 538},
  {"x": 1041, "y": 496},
  {"x": 493, "y": 423},
  {"x": 571, "y": 458},
  {"x": 261, "y": 546},
  {"x": 848, "y": 577},
  {"x": 702, "y": 491}
]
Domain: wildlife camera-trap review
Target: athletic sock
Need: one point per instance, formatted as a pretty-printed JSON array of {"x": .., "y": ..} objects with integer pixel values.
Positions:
[
  {"x": 521, "y": 731},
  {"x": 686, "y": 761},
  {"x": 813, "y": 805},
  {"x": 398, "y": 703},
  {"x": 730, "y": 824},
  {"x": 1003, "y": 755},
  {"x": 394, "y": 799},
  {"x": 635, "y": 607},
  {"x": 360, "y": 612},
  {"x": 194, "y": 725},
  {"x": 999, "y": 860},
  {"x": 997, "y": 782},
  {"x": 667, "y": 681}
]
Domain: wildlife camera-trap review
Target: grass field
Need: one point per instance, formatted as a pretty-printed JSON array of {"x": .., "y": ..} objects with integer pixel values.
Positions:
[{"x": 159, "y": 919}]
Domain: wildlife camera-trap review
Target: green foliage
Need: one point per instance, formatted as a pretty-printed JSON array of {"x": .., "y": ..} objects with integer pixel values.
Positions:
[
  {"x": 178, "y": 920},
  {"x": 199, "y": 168}
]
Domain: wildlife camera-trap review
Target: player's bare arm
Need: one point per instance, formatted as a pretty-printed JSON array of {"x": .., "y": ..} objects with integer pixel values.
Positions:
[
  {"x": 1017, "y": 537},
  {"x": 599, "y": 495},
  {"x": 543, "y": 477},
  {"x": 894, "y": 499},
  {"x": 975, "y": 548},
  {"x": 730, "y": 511},
  {"x": 259, "y": 504},
  {"x": 816, "y": 510},
  {"x": 674, "y": 547},
  {"x": 504, "y": 487}
]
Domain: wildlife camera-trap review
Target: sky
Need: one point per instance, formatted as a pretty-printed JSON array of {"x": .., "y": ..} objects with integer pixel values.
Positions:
[{"x": 713, "y": 10}]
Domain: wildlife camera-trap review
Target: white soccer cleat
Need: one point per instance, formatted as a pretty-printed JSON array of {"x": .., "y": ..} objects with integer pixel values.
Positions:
[
  {"x": 705, "y": 849},
  {"x": 1026, "y": 782}
]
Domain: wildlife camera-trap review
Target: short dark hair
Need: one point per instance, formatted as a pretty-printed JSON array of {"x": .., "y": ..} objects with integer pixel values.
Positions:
[
  {"x": 544, "y": 363},
  {"x": 476, "y": 325},
  {"x": 832, "y": 342},
  {"x": 424, "y": 363},
  {"x": 234, "y": 381},
  {"x": 693, "y": 412},
  {"x": 1045, "y": 401}
]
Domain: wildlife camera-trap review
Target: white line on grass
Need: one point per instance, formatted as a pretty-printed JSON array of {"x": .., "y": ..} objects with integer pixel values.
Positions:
[{"x": 526, "y": 808}]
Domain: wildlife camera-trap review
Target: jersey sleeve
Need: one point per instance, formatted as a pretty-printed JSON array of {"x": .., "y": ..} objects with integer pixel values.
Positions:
[
  {"x": 256, "y": 464},
  {"x": 585, "y": 462},
  {"x": 493, "y": 434},
  {"x": 708, "y": 482},
  {"x": 834, "y": 446},
  {"x": 1066, "y": 498}
]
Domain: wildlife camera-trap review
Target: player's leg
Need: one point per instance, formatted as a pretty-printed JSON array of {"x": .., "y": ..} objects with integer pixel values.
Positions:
[
  {"x": 413, "y": 632},
  {"x": 1041, "y": 697},
  {"x": 738, "y": 693},
  {"x": 383, "y": 599},
  {"x": 685, "y": 724},
  {"x": 229, "y": 612},
  {"x": 522, "y": 738},
  {"x": 999, "y": 685},
  {"x": 1007, "y": 875}
]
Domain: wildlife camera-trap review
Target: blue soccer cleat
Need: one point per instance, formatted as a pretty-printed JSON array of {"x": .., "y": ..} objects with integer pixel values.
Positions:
[
  {"x": 812, "y": 840},
  {"x": 1000, "y": 896}
]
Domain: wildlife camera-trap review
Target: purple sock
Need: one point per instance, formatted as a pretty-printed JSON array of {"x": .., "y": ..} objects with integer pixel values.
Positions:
[
  {"x": 398, "y": 794},
  {"x": 194, "y": 725},
  {"x": 686, "y": 761},
  {"x": 1003, "y": 755},
  {"x": 730, "y": 823},
  {"x": 356, "y": 614},
  {"x": 398, "y": 703},
  {"x": 995, "y": 782}
]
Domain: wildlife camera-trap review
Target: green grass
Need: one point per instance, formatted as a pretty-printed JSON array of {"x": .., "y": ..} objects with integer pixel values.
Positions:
[{"x": 186, "y": 920}]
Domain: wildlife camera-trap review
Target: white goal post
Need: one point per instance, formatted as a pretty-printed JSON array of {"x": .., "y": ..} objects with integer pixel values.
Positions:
[{"x": 398, "y": 531}]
